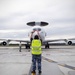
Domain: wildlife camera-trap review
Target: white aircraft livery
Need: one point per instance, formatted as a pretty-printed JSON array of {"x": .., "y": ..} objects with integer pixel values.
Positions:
[{"x": 37, "y": 30}]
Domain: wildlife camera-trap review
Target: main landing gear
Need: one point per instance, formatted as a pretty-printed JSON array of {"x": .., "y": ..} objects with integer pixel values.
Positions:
[
  {"x": 27, "y": 46},
  {"x": 47, "y": 46}
]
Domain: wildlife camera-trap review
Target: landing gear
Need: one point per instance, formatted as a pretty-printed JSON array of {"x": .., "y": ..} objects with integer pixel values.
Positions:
[
  {"x": 20, "y": 47},
  {"x": 47, "y": 46},
  {"x": 27, "y": 46}
]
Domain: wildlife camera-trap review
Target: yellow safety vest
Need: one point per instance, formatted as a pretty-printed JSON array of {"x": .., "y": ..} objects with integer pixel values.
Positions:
[{"x": 36, "y": 47}]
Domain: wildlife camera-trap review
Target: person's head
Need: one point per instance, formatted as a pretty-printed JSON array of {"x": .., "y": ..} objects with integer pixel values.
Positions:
[{"x": 36, "y": 37}]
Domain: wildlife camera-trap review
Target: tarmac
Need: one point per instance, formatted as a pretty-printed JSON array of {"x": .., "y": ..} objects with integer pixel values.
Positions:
[{"x": 58, "y": 60}]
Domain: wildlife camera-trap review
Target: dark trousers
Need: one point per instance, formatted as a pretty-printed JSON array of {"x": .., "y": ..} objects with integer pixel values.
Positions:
[{"x": 36, "y": 59}]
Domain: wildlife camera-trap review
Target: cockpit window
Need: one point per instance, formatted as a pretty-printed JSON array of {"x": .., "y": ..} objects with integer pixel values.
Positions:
[
  {"x": 37, "y": 29},
  {"x": 34, "y": 29}
]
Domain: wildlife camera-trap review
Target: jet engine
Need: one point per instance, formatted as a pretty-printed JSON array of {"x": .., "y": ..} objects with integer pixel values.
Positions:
[
  {"x": 68, "y": 42},
  {"x": 5, "y": 43}
]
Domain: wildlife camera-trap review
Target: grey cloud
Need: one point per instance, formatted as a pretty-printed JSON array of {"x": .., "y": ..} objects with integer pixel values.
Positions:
[{"x": 60, "y": 14}]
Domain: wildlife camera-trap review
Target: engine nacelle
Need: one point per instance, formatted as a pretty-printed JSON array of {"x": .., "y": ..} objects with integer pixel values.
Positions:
[
  {"x": 69, "y": 42},
  {"x": 5, "y": 43}
]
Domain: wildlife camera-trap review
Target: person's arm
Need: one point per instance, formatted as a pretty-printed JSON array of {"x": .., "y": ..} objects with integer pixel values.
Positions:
[
  {"x": 32, "y": 33},
  {"x": 38, "y": 34},
  {"x": 31, "y": 36}
]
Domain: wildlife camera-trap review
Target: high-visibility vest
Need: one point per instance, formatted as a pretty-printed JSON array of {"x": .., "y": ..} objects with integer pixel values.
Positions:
[{"x": 36, "y": 47}]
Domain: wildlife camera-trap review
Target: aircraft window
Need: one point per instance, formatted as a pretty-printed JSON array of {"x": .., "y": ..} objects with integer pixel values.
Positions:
[
  {"x": 39, "y": 29},
  {"x": 34, "y": 29}
]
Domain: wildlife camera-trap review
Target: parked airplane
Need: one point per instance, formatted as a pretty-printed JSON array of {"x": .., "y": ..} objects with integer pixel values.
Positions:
[{"x": 36, "y": 30}]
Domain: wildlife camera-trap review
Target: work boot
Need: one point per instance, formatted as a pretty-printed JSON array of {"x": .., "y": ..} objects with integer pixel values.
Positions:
[
  {"x": 33, "y": 71},
  {"x": 40, "y": 72}
]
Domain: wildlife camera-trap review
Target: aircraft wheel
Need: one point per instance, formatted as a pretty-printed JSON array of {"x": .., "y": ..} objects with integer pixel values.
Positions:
[
  {"x": 27, "y": 46},
  {"x": 47, "y": 46}
]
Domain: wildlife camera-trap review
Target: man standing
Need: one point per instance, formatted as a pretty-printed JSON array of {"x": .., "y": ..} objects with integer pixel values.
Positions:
[{"x": 36, "y": 54}]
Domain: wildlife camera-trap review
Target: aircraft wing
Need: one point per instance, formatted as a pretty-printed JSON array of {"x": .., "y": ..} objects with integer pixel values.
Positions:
[
  {"x": 67, "y": 41},
  {"x": 6, "y": 41},
  {"x": 71, "y": 39},
  {"x": 45, "y": 42},
  {"x": 15, "y": 40},
  {"x": 54, "y": 40},
  {"x": 27, "y": 41}
]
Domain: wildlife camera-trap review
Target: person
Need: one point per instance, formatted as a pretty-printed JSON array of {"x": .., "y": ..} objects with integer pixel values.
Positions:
[{"x": 36, "y": 54}]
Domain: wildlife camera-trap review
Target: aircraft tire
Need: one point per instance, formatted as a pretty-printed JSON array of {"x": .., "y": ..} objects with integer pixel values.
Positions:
[
  {"x": 27, "y": 46},
  {"x": 47, "y": 46}
]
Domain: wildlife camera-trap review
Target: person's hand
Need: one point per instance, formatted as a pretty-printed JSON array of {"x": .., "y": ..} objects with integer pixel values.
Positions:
[{"x": 32, "y": 31}]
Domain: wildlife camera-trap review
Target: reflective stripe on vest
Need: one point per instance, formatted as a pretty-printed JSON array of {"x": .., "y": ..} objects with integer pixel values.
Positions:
[{"x": 36, "y": 47}]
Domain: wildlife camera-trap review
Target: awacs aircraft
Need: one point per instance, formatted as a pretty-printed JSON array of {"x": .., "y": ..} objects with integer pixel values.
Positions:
[{"x": 36, "y": 30}]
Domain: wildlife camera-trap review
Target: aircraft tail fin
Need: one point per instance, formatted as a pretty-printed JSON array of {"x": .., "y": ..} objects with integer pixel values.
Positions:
[{"x": 37, "y": 23}]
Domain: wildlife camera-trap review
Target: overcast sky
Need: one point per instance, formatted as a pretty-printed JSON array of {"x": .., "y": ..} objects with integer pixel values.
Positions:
[{"x": 14, "y": 14}]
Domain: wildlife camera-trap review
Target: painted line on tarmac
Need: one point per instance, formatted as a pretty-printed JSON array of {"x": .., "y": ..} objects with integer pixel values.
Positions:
[{"x": 64, "y": 65}]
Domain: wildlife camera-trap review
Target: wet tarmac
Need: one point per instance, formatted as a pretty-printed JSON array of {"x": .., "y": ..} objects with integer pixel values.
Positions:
[{"x": 58, "y": 60}]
